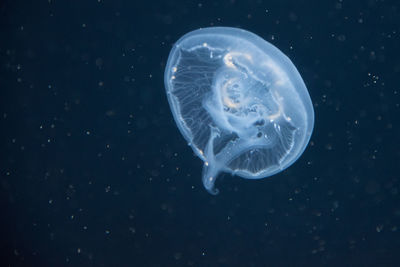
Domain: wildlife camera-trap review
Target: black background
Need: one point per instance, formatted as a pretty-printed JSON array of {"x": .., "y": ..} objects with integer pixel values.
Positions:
[{"x": 94, "y": 171}]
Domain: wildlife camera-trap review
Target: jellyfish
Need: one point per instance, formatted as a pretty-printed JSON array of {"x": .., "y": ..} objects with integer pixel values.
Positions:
[{"x": 239, "y": 102}]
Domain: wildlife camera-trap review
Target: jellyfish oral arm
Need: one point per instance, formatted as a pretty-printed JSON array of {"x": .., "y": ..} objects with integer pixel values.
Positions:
[{"x": 211, "y": 167}]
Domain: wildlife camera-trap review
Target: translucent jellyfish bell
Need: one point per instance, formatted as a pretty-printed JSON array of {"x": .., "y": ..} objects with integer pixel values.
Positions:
[{"x": 239, "y": 102}]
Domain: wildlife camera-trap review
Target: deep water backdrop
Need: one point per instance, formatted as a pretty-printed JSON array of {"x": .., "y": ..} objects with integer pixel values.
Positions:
[{"x": 94, "y": 172}]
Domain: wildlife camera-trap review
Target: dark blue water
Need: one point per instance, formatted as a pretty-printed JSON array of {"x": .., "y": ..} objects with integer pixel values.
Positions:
[{"x": 94, "y": 172}]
